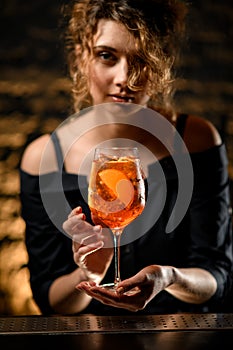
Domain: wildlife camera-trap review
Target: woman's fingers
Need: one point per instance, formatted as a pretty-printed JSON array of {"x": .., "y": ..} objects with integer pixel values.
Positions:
[
  {"x": 87, "y": 240},
  {"x": 83, "y": 251},
  {"x": 91, "y": 241},
  {"x": 72, "y": 222},
  {"x": 75, "y": 211},
  {"x": 129, "y": 284},
  {"x": 130, "y": 302},
  {"x": 85, "y": 234},
  {"x": 79, "y": 229},
  {"x": 85, "y": 285}
]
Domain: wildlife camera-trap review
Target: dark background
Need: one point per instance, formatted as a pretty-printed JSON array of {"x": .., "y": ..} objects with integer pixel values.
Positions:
[{"x": 35, "y": 98}]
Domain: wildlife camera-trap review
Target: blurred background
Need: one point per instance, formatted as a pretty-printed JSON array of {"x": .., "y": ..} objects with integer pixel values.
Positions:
[{"x": 35, "y": 98}]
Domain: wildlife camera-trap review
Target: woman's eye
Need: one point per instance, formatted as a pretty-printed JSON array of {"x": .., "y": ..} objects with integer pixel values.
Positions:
[{"x": 107, "y": 56}]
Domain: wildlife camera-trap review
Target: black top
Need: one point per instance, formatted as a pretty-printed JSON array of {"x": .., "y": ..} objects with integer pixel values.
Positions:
[{"x": 202, "y": 239}]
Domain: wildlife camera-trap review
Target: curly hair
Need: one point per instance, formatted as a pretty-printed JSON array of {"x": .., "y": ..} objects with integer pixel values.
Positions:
[{"x": 157, "y": 26}]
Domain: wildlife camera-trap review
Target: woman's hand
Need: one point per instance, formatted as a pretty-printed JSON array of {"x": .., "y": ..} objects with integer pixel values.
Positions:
[
  {"x": 134, "y": 293},
  {"x": 190, "y": 285},
  {"x": 92, "y": 250}
]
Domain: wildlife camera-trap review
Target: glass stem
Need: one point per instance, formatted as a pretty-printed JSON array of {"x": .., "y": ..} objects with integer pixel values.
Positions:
[{"x": 116, "y": 236}]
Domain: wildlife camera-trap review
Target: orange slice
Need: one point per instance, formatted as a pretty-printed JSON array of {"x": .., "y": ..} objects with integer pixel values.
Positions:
[{"x": 119, "y": 184}]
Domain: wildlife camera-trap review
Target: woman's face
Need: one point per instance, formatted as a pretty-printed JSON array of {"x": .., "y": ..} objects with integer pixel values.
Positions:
[{"x": 108, "y": 69}]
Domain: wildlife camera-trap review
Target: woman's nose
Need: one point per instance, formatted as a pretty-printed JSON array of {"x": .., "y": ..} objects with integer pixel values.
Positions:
[{"x": 121, "y": 73}]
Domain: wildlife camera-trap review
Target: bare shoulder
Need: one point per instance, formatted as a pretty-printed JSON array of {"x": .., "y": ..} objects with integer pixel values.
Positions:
[
  {"x": 200, "y": 134},
  {"x": 37, "y": 150}
]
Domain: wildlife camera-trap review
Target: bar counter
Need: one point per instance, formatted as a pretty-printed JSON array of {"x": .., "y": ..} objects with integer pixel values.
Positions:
[{"x": 89, "y": 332}]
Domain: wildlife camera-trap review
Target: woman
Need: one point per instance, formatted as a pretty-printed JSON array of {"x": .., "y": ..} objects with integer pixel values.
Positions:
[{"x": 123, "y": 52}]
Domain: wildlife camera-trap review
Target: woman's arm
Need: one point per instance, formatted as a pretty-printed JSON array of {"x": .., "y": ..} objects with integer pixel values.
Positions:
[
  {"x": 192, "y": 285},
  {"x": 64, "y": 298}
]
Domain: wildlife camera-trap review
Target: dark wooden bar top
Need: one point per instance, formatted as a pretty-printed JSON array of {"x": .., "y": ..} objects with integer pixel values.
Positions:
[{"x": 89, "y": 332}]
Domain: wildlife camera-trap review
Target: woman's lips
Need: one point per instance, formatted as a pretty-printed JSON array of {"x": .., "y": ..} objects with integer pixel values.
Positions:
[{"x": 117, "y": 98}]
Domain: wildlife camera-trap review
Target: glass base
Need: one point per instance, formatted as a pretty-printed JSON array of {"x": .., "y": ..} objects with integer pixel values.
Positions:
[
  {"x": 109, "y": 286},
  {"x": 112, "y": 288}
]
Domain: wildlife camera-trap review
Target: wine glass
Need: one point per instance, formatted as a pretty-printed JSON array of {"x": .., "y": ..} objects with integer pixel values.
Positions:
[{"x": 116, "y": 193}]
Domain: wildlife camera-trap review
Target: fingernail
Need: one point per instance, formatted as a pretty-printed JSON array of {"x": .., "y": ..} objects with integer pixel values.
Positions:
[
  {"x": 78, "y": 210},
  {"x": 97, "y": 228}
]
